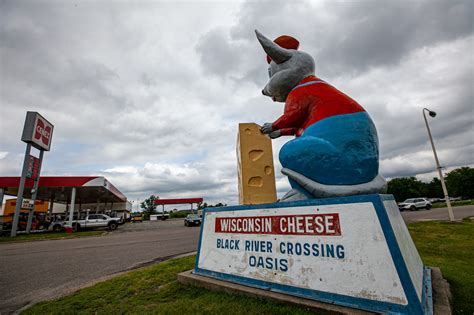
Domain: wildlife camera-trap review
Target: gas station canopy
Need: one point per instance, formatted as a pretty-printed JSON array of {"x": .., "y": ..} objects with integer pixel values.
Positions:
[
  {"x": 177, "y": 201},
  {"x": 89, "y": 189}
]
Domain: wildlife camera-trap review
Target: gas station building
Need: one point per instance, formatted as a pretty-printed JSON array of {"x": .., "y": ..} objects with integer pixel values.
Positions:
[{"x": 87, "y": 194}]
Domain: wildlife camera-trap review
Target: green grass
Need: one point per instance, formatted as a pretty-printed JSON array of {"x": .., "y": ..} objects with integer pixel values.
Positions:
[
  {"x": 454, "y": 203},
  {"x": 178, "y": 214},
  {"x": 450, "y": 246},
  {"x": 155, "y": 290},
  {"x": 48, "y": 235}
]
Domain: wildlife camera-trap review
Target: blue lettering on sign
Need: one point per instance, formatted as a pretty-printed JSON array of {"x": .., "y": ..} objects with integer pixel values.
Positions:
[
  {"x": 258, "y": 246},
  {"x": 316, "y": 250},
  {"x": 228, "y": 244},
  {"x": 268, "y": 263},
  {"x": 326, "y": 250}
]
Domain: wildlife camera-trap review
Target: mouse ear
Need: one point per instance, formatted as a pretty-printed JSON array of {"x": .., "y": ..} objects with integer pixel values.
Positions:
[{"x": 277, "y": 53}]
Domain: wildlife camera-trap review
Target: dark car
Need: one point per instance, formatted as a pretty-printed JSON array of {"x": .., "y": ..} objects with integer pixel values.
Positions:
[{"x": 192, "y": 219}]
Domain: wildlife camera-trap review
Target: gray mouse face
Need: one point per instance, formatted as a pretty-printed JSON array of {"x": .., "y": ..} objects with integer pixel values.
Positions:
[
  {"x": 285, "y": 76},
  {"x": 287, "y": 68}
]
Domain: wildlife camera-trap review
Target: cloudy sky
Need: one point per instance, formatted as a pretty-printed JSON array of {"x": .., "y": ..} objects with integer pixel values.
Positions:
[{"x": 149, "y": 94}]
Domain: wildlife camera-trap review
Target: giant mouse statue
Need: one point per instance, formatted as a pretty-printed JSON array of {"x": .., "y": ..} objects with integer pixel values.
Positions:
[{"x": 335, "y": 151}]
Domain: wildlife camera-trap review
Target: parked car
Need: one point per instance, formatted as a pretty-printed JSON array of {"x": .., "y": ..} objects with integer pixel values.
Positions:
[
  {"x": 162, "y": 216},
  {"x": 414, "y": 204},
  {"x": 192, "y": 219},
  {"x": 89, "y": 222},
  {"x": 56, "y": 226}
]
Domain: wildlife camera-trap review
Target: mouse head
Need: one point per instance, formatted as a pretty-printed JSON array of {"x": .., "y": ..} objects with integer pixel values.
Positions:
[{"x": 287, "y": 67}]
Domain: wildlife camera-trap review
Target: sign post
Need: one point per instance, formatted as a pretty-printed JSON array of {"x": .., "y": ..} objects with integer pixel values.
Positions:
[
  {"x": 19, "y": 200},
  {"x": 1, "y": 194},
  {"x": 37, "y": 132},
  {"x": 35, "y": 176},
  {"x": 71, "y": 207}
]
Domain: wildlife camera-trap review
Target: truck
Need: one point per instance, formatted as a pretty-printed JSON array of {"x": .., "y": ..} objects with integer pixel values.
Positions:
[
  {"x": 39, "y": 221},
  {"x": 89, "y": 222},
  {"x": 161, "y": 215},
  {"x": 136, "y": 218}
]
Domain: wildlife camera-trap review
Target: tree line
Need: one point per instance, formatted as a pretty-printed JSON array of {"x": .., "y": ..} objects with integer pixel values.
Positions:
[
  {"x": 148, "y": 206},
  {"x": 459, "y": 182}
]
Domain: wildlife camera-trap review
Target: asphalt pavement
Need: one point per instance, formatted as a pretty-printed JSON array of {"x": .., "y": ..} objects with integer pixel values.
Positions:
[
  {"x": 438, "y": 214},
  {"x": 39, "y": 270}
]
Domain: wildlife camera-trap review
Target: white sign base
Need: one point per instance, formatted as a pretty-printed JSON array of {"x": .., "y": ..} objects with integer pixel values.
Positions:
[{"x": 352, "y": 251}]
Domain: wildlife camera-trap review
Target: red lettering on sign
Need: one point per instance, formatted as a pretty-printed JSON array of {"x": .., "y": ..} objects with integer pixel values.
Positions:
[
  {"x": 33, "y": 167},
  {"x": 307, "y": 224},
  {"x": 42, "y": 132}
]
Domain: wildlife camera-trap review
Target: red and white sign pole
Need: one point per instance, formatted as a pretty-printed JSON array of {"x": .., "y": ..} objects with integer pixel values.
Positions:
[
  {"x": 34, "y": 192},
  {"x": 38, "y": 133}
]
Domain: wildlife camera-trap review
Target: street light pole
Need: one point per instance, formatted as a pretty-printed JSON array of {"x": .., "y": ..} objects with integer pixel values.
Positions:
[{"x": 443, "y": 185}]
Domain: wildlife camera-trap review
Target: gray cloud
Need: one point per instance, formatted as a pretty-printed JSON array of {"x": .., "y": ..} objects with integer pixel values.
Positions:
[
  {"x": 218, "y": 54},
  {"x": 374, "y": 33},
  {"x": 351, "y": 37}
]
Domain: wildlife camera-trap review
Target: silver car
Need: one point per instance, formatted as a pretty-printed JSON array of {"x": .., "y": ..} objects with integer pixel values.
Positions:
[{"x": 414, "y": 204}]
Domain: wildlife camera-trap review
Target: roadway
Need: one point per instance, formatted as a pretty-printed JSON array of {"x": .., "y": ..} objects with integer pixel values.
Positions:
[
  {"x": 39, "y": 270},
  {"x": 438, "y": 214}
]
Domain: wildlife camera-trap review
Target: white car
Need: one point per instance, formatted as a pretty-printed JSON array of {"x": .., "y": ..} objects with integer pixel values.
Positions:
[
  {"x": 414, "y": 204},
  {"x": 89, "y": 222},
  {"x": 96, "y": 221}
]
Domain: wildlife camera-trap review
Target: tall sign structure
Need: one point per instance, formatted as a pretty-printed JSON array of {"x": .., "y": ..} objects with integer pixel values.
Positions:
[{"x": 37, "y": 132}]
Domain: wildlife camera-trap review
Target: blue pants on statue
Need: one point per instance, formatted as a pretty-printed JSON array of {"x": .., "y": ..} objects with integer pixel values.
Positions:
[{"x": 338, "y": 150}]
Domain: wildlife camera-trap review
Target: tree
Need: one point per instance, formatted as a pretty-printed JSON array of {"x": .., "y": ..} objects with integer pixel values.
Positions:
[
  {"x": 205, "y": 205},
  {"x": 148, "y": 205},
  {"x": 434, "y": 189},
  {"x": 406, "y": 187},
  {"x": 460, "y": 182}
]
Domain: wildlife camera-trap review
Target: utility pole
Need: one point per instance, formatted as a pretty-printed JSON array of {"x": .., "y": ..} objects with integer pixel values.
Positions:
[{"x": 438, "y": 166}]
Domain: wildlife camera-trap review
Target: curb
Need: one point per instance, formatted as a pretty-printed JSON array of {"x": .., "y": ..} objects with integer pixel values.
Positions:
[{"x": 441, "y": 294}]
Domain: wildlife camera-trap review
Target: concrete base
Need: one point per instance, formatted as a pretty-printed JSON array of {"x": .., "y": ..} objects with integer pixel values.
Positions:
[{"x": 441, "y": 294}]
